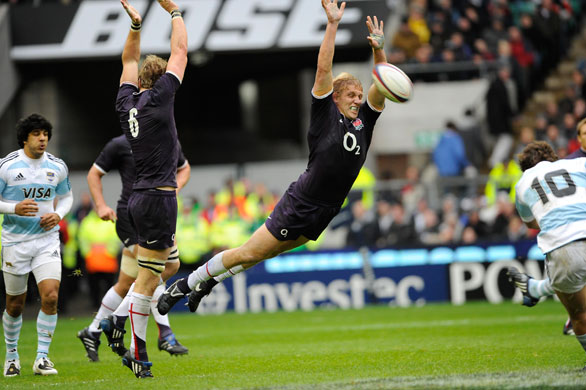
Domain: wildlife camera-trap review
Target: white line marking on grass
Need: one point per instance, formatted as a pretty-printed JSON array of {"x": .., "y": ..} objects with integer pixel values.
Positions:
[{"x": 550, "y": 379}]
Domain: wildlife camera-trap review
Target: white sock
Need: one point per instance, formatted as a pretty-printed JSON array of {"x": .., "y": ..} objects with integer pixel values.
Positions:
[
  {"x": 213, "y": 267},
  {"x": 228, "y": 274},
  {"x": 109, "y": 303},
  {"x": 139, "y": 309},
  {"x": 159, "y": 319},
  {"x": 122, "y": 309},
  {"x": 540, "y": 288},
  {"x": 46, "y": 324},
  {"x": 12, "y": 327}
]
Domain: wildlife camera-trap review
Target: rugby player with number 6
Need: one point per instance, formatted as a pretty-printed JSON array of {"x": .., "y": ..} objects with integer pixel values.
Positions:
[{"x": 145, "y": 106}]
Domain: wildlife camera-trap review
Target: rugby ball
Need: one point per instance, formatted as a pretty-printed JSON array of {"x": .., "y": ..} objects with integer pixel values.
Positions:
[{"x": 392, "y": 82}]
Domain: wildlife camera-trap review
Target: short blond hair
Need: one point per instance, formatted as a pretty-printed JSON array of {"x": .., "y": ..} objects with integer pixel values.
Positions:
[
  {"x": 152, "y": 68},
  {"x": 344, "y": 79}
]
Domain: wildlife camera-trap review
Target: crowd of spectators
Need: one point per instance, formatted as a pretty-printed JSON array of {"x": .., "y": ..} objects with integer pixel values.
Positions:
[{"x": 527, "y": 36}]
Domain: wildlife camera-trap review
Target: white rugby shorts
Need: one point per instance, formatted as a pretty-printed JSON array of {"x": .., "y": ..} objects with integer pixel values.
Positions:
[
  {"x": 566, "y": 267},
  {"x": 24, "y": 257}
]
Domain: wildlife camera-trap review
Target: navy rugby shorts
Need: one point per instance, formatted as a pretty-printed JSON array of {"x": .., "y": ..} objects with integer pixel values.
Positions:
[
  {"x": 153, "y": 213},
  {"x": 124, "y": 229},
  {"x": 294, "y": 217}
]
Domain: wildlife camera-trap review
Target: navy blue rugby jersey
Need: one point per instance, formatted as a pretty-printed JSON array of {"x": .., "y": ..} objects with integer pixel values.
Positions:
[
  {"x": 337, "y": 151},
  {"x": 148, "y": 121},
  {"x": 118, "y": 155}
]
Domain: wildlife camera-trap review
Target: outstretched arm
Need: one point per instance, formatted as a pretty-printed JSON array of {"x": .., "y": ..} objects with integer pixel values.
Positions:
[
  {"x": 178, "y": 59},
  {"x": 323, "y": 76},
  {"x": 131, "y": 52},
  {"x": 376, "y": 39}
]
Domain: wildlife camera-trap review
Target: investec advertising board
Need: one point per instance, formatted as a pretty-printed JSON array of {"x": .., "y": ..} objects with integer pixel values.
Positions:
[
  {"x": 98, "y": 28},
  {"x": 403, "y": 277}
]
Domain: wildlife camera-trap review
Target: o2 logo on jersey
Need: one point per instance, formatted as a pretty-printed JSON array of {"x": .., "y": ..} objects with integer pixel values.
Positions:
[
  {"x": 37, "y": 193},
  {"x": 133, "y": 122},
  {"x": 284, "y": 232},
  {"x": 351, "y": 144}
]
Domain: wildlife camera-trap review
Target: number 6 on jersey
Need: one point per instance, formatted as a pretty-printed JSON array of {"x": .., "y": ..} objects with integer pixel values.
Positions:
[{"x": 133, "y": 122}]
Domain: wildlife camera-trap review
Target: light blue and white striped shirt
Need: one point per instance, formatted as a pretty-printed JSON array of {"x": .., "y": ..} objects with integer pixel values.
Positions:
[
  {"x": 554, "y": 194},
  {"x": 40, "y": 179}
]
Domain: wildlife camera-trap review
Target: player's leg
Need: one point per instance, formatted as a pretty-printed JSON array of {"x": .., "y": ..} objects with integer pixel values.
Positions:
[
  {"x": 151, "y": 264},
  {"x": 108, "y": 322},
  {"x": 115, "y": 295},
  {"x": 261, "y": 246},
  {"x": 15, "y": 287},
  {"x": 566, "y": 267},
  {"x": 575, "y": 304},
  {"x": 533, "y": 290},
  {"x": 304, "y": 220},
  {"x": 90, "y": 336},
  {"x": 48, "y": 278},
  {"x": 113, "y": 325},
  {"x": 204, "y": 288},
  {"x": 167, "y": 340}
]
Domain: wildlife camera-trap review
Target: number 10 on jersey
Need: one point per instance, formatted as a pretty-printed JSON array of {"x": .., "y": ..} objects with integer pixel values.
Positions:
[{"x": 557, "y": 192}]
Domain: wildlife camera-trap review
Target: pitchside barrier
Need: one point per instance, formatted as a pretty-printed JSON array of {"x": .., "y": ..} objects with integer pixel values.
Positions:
[{"x": 395, "y": 277}]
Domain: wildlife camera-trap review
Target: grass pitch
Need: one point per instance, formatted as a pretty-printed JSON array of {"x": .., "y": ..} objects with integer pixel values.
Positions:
[{"x": 475, "y": 346}]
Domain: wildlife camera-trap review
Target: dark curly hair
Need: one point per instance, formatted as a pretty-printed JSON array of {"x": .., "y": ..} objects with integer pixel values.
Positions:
[
  {"x": 534, "y": 153},
  {"x": 32, "y": 122}
]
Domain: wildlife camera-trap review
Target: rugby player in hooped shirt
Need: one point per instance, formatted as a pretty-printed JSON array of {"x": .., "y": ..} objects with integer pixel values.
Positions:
[
  {"x": 339, "y": 135},
  {"x": 145, "y": 106}
]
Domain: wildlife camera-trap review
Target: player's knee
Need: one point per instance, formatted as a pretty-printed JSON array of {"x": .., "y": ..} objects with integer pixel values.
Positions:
[
  {"x": 14, "y": 307},
  {"x": 170, "y": 270},
  {"x": 50, "y": 298},
  {"x": 156, "y": 266}
]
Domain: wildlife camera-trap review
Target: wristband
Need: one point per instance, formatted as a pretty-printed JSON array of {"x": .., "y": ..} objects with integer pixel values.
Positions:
[
  {"x": 135, "y": 26},
  {"x": 380, "y": 39},
  {"x": 175, "y": 14}
]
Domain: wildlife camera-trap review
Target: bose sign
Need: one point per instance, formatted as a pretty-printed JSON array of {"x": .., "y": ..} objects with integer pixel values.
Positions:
[{"x": 99, "y": 28}]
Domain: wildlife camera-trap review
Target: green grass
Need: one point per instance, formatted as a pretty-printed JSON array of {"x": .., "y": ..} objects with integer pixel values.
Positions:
[{"x": 477, "y": 345}]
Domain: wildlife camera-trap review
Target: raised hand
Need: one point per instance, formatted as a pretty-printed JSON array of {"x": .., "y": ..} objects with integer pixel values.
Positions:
[
  {"x": 332, "y": 11},
  {"x": 168, "y": 5},
  {"x": 376, "y": 30},
  {"x": 132, "y": 12}
]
